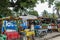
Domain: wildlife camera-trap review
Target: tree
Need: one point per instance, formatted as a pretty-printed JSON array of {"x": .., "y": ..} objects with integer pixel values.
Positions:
[
  {"x": 33, "y": 12},
  {"x": 57, "y": 5},
  {"x": 19, "y": 5},
  {"x": 53, "y": 15},
  {"x": 45, "y": 14},
  {"x": 53, "y": 2},
  {"x": 4, "y": 8},
  {"x": 26, "y": 4},
  {"x": 50, "y": 2},
  {"x": 23, "y": 4}
]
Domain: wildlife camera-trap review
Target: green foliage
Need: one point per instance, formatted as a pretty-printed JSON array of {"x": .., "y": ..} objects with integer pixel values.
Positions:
[
  {"x": 4, "y": 8},
  {"x": 0, "y": 16},
  {"x": 19, "y": 5},
  {"x": 35, "y": 13},
  {"x": 23, "y": 4},
  {"x": 57, "y": 5},
  {"x": 54, "y": 16},
  {"x": 44, "y": 24},
  {"x": 4, "y": 3},
  {"x": 45, "y": 14},
  {"x": 50, "y": 2},
  {"x": 5, "y": 12},
  {"x": 42, "y": 1}
]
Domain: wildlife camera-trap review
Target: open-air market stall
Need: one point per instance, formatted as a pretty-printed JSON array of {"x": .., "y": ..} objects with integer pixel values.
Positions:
[
  {"x": 51, "y": 23},
  {"x": 10, "y": 28},
  {"x": 58, "y": 24},
  {"x": 54, "y": 27},
  {"x": 28, "y": 20},
  {"x": 34, "y": 20},
  {"x": 44, "y": 22}
]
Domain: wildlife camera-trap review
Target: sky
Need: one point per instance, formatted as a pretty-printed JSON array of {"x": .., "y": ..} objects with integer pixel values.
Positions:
[{"x": 43, "y": 6}]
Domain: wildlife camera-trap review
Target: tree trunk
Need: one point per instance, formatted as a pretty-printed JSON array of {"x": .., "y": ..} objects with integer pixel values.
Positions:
[{"x": 58, "y": 13}]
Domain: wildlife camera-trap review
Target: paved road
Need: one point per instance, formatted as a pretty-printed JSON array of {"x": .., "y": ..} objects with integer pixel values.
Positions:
[
  {"x": 56, "y": 38},
  {"x": 39, "y": 39},
  {"x": 49, "y": 35}
]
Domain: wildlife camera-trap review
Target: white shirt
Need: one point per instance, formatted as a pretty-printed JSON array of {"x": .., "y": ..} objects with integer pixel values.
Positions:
[
  {"x": 32, "y": 27},
  {"x": 49, "y": 27}
]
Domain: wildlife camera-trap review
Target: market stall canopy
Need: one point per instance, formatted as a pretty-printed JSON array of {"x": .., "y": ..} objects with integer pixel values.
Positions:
[
  {"x": 10, "y": 17},
  {"x": 58, "y": 19},
  {"x": 0, "y": 19},
  {"x": 28, "y": 17},
  {"x": 7, "y": 18}
]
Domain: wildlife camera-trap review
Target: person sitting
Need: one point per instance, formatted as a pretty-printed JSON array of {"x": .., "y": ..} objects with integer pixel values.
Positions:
[{"x": 49, "y": 29}]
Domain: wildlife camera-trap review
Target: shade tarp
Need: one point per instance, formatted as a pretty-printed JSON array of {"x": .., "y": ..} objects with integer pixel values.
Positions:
[
  {"x": 58, "y": 19},
  {"x": 28, "y": 17}
]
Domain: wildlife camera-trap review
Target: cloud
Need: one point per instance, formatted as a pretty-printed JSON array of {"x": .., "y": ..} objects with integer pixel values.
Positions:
[{"x": 43, "y": 6}]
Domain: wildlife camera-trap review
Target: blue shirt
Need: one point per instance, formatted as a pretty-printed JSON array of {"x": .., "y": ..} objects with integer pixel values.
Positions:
[{"x": 24, "y": 26}]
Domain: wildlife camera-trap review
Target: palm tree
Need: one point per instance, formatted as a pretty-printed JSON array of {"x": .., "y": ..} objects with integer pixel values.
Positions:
[
  {"x": 45, "y": 14},
  {"x": 50, "y": 2},
  {"x": 33, "y": 12},
  {"x": 57, "y": 5},
  {"x": 53, "y": 15}
]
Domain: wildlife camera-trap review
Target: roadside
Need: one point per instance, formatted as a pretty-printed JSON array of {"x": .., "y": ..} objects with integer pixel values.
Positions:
[
  {"x": 49, "y": 36},
  {"x": 56, "y": 38}
]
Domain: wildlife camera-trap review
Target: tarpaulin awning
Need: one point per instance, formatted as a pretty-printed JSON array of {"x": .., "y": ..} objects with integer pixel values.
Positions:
[{"x": 28, "y": 17}]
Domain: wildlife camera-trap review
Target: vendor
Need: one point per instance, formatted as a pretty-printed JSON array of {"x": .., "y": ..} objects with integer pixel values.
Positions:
[
  {"x": 49, "y": 28},
  {"x": 32, "y": 27}
]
